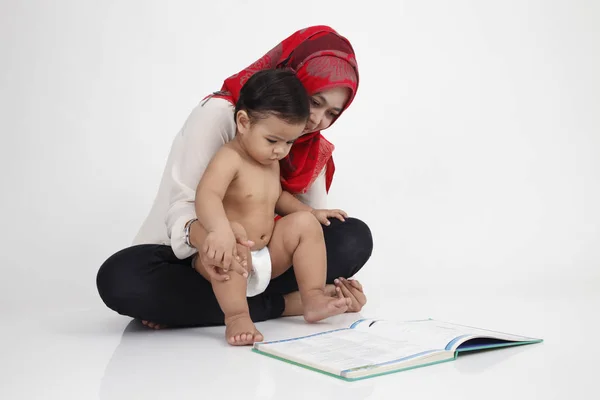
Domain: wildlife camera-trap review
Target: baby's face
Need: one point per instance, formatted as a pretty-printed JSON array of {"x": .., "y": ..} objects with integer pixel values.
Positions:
[{"x": 270, "y": 139}]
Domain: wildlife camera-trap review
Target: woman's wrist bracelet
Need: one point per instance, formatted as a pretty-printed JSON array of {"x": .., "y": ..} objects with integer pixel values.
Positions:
[{"x": 187, "y": 229}]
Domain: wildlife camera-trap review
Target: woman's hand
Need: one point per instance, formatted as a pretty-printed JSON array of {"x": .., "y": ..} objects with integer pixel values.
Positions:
[
  {"x": 353, "y": 290},
  {"x": 324, "y": 215}
]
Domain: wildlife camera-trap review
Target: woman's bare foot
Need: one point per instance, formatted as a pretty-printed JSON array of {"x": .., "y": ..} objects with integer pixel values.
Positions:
[
  {"x": 240, "y": 331},
  {"x": 318, "y": 305},
  {"x": 153, "y": 325}
]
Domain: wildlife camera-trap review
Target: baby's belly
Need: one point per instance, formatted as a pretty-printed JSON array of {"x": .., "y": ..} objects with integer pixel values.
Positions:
[{"x": 258, "y": 224}]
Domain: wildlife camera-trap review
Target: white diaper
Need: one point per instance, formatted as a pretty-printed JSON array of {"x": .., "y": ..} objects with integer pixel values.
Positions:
[{"x": 259, "y": 279}]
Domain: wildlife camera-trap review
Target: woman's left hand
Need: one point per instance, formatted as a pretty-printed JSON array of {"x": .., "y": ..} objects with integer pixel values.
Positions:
[
  {"x": 353, "y": 290},
  {"x": 324, "y": 215}
]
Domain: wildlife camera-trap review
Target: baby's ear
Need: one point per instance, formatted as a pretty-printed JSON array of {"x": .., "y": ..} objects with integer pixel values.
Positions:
[{"x": 242, "y": 120}]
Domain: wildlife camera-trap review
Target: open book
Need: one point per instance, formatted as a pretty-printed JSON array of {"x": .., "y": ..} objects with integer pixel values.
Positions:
[{"x": 371, "y": 347}]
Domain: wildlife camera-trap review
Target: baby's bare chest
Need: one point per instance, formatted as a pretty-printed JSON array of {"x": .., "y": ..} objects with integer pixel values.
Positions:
[{"x": 255, "y": 185}]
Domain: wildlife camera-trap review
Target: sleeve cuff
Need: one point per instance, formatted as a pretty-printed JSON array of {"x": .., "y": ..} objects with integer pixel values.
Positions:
[{"x": 178, "y": 244}]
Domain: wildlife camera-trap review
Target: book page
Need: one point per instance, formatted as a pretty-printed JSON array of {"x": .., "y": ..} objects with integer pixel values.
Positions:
[
  {"x": 431, "y": 334},
  {"x": 344, "y": 349}
]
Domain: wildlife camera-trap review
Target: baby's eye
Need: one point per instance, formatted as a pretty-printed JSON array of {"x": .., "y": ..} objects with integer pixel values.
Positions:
[{"x": 271, "y": 141}]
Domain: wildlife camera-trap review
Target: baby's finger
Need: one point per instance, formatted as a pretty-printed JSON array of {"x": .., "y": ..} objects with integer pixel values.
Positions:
[
  {"x": 339, "y": 216},
  {"x": 245, "y": 242},
  {"x": 324, "y": 220}
]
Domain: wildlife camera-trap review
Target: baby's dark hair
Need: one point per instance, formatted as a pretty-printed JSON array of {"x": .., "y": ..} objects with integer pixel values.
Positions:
[{"x": 276, "y": 92}]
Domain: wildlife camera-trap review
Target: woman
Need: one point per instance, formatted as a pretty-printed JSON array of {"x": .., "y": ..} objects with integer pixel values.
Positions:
[{"x": 154, "y": 279}]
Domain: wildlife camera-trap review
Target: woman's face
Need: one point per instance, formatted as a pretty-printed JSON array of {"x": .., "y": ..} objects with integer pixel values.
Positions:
[{"x": 325, "y": 107}]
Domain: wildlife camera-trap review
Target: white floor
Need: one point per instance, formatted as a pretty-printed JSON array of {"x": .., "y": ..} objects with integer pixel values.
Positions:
[
  {"x": 471, "y": 152},
  {"x": 93, "y": 353}
]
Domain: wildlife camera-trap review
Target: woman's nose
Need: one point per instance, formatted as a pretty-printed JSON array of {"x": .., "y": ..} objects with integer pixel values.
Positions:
[{"x": 316, "y": 117}]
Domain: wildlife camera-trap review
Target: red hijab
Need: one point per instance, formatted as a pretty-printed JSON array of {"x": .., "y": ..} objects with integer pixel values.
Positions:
[{"x": 322, "y": 59}]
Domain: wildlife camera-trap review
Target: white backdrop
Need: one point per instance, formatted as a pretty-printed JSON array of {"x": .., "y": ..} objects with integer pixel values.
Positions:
[{"x": 471, "y": 149}]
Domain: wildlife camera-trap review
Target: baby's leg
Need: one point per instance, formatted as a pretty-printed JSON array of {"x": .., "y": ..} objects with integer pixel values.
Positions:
[
  {"x": 298, "y": 239},
  {"x": 231, "y": 295}
]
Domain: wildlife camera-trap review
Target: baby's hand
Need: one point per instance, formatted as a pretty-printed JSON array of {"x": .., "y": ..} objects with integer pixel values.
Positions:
[
  {"x": 220, "y": 248},
  {"x": 324, "y": 215}
]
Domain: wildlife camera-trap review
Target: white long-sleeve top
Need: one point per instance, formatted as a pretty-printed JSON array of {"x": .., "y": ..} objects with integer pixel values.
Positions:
[{"x": 209, "y": 126}]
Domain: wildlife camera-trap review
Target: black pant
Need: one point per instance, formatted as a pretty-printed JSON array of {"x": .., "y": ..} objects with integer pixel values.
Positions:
[{"x": 150, "y": 283}]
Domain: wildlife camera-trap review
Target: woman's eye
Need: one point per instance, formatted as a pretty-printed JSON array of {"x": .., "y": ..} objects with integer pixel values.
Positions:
[
  {"x": 314, "y": 102},
  {"x": 334, "y": 115}
]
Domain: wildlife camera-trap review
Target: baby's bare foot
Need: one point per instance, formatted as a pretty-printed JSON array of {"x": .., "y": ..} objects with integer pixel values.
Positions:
[
  {"x": 240, "y": 331},
  {"x": 153, "y": 325},
  {"x": 318, "y": 305}
]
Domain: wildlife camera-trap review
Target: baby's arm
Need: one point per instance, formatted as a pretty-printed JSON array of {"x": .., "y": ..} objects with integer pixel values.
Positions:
[
  {"x": 221, "y": 171},
  {"x": 288, "y": 204}
]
